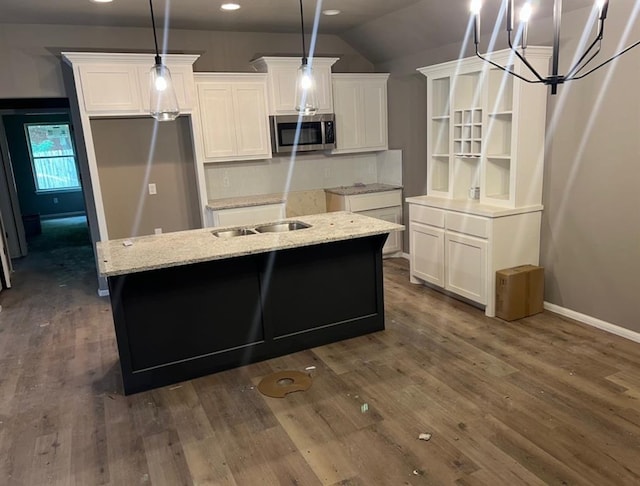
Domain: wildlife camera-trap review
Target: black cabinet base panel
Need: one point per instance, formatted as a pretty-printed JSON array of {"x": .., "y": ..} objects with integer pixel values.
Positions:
[{"x": 182, "y": 322}]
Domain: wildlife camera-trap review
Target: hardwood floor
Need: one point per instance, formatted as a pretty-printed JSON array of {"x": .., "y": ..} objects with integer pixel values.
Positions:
[{"x": 542, "y": 400}]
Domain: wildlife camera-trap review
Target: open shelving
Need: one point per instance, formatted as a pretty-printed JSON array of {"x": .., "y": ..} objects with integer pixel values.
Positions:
[{"x": 486, "y": 130}]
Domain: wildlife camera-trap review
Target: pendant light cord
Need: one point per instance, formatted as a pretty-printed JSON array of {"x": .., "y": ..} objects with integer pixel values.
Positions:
[
  {"x": 304, "y": 48},
  {"x": 155, "y": 39}
]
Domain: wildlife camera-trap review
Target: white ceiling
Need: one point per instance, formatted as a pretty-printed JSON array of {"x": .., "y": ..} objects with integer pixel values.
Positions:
[{"x": 379, "y": 29}]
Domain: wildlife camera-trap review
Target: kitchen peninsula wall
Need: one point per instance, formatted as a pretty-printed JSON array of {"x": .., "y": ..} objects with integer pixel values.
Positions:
[
  {"x": 306, "y": 172},
  {"x": 127, "y": 164}
]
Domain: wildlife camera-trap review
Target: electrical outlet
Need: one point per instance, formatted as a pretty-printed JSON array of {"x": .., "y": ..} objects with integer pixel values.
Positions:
[
  {"x": 225, "y": 181},
  {"x": 55, "y": 200},
  {"x": 157, "y": 231},
  {"x": 152, "y": 189}
]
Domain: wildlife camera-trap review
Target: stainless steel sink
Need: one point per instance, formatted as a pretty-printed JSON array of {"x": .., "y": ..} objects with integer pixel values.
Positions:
[
  {"x": 233, "y": 232},
  {"x": 281, "y": 227}
]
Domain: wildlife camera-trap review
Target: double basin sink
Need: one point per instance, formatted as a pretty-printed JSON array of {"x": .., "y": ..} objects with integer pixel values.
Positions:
[{"x": 267, "y": 228}]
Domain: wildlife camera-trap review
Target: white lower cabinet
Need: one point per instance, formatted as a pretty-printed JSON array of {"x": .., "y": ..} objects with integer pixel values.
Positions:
[
  {"x": 246, "y": 215},
  {"x": 466, "y": 264},
  {"x": 385, "y": 205},
  {"x": 393, "y": 215},
  {"x": 460, "y": 252},
  {"x": 428, "y": 263}
]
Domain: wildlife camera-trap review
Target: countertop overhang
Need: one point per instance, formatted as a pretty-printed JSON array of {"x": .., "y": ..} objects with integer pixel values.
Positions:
[
  {"x": 471, "y": 206},
  {"x": 139, "y": 254}
]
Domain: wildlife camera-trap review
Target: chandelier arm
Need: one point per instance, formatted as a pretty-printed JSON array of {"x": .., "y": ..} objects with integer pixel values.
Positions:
[
  {"x": 576, "y": 68},
  {"x": 525, "y": 62},
  {"x": 572, "y": 74},
  {"x": 615, "y": 56},
  {"x": 507, "y": 70}
]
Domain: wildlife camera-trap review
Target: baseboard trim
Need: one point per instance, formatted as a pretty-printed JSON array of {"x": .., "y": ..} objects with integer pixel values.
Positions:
[
  {"x": 406, "y": 256},
  {"x": 594, "y": 322}
]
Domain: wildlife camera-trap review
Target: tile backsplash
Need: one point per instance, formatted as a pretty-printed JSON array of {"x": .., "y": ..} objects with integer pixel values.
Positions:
[{"x": 306, "y": 172}]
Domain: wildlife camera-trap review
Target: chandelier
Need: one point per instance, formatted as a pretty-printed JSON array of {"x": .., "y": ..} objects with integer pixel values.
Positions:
[{"x": 579, "y": 68}]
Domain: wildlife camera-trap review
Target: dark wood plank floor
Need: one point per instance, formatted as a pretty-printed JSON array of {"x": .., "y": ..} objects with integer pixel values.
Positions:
[{"x": 539, "y": 401}]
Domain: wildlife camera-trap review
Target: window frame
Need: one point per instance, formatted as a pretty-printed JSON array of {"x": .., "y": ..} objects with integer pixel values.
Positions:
[{"x": 32, "y": 159}]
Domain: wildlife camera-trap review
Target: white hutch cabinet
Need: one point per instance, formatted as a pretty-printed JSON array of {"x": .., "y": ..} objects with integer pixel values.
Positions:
[{"x": 482, "y": 210}]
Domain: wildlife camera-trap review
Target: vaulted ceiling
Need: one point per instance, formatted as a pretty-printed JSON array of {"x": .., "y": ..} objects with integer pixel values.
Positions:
[{"x": 379, "y": 29}]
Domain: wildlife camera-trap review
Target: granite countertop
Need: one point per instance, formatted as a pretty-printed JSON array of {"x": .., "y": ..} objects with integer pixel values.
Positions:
[
  {"x": 245, "y": 201},
  {"x": 361, "y": 189},
  {"x": 470, "y": 206},
  {"x": 130, "y": 255}
]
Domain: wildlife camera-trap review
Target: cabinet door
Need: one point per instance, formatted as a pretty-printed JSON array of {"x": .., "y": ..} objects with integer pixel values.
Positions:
[
  {"x": 252, "y": 130},
  {"x": 346, "y": 100},
  {"x": 324, "y": 92},
  {"x": 283, "y": 88},
  {"x": 182, "y": 78},
  {"x": 361, "y": 113},
  {"x": 426, "y": 244},
  {"x": 215, "y": 101},
  {"x": 374, "y": 112},
  {"x": 393, "y": 215},
  {"x": 466, "y": 266},
  {"x": 110, "y": 88}
]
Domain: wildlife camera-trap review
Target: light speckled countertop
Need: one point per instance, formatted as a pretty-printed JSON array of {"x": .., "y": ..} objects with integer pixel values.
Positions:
[
  {"x": 245, "y": 201},
  {"x": 194, "y": 246},
  {"x": 364, "y": 189},
  {"x": 471, "y": 206}
]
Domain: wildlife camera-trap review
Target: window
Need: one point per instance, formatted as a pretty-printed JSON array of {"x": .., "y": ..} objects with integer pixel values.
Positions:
[{"x": 52, "y": 157}]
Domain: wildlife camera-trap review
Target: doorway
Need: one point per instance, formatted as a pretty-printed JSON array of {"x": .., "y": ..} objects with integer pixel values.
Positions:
[{"x": 46, "y": 212}]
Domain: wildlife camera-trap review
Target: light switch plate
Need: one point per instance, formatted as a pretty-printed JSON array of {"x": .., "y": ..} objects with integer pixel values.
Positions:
[{"x": 152, "y": 189}]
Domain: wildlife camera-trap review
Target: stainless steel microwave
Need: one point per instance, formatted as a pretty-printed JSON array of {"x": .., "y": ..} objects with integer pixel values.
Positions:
[{"x": 306, "y": 133}]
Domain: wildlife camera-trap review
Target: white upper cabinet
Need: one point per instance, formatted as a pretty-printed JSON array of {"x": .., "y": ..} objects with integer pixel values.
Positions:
[
  {"x": 233, "y": 116},
  {"x": 486, "y": 129},
  {"x": 281, "y": 76},
  {"x": 360, "y": 104},
  {"x": 118, "y": 84},
  {"x": 110, "y": 88}
]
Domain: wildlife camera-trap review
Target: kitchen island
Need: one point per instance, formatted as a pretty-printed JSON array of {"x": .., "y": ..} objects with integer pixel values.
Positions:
[{"x": 190, "y": 303}]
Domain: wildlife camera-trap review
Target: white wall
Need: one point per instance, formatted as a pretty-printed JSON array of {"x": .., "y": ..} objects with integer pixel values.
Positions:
[
  {"x": 590, "y": 244},
  {"x": 31, "y": 62}
]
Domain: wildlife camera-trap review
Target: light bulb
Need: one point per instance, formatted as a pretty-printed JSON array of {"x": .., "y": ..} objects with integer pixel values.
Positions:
[
  {"x": 475, "y": 6},
  {"x": 160, "y": 83},
  {"x": 525, "y": 12},
  {"x": 305, "y": 82}
]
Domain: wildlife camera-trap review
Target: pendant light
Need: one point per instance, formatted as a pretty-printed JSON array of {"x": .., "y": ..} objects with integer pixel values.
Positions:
[
  {"x": 163, "y": 101},
  {"x": 306, "y": 103}
]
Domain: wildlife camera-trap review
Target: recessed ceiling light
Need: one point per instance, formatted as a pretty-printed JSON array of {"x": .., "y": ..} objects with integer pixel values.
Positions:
[
  {"x": 230, "y": 6},
  {"x": 331, "y": 12},
  {"x": 101, "y": 1}
]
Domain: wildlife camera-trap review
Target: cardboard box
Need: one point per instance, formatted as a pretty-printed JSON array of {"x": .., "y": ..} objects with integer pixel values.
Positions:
[{"x": 519, "y": 292}]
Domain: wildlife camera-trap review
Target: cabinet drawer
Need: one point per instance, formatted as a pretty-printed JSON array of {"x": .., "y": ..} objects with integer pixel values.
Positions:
[
  {"x": 470, "y": 225},
  {"x": 375, "y": 200},
  {"x": 425, "y": 215}
]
